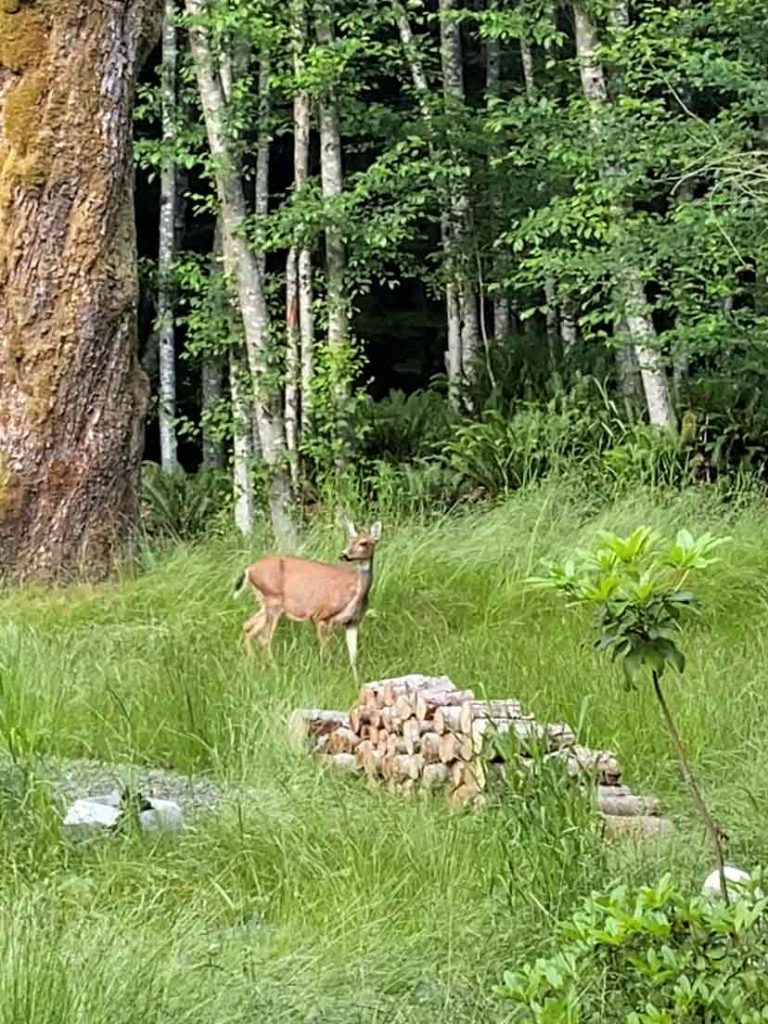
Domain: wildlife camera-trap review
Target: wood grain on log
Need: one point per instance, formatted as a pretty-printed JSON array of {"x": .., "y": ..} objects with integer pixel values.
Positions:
[
  {"x": 390, "y": 720},
  {"x": 428, "y": 701},
  {"x": 650, "y": 827},
  {"x": 628, "y": 806},
  {"x": 392, "y": 688},
  {"x": 447, "y": 720},
  {"x": 306, "y": 723},
  {"x": 412, "y": 736},
  {"x": 454, "y": 745},
  {"x": 346, "y": 763},
  {"x": 430, "y": 747},
  {"x": 602, "y": 764},
  {"x": 342, "y": 741},
  {"x": 435, "y": 775},
  {"x": 494, "y": 709}
]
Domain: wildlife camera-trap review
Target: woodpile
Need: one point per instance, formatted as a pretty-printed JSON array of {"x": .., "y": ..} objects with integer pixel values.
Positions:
[{"x": 423, "y": 733}]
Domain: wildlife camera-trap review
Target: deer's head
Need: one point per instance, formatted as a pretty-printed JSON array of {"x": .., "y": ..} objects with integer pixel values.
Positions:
[{"x": 361, "y": 544}]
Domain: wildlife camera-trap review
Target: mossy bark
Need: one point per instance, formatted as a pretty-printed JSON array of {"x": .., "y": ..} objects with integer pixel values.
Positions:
[{"x": 72, "y": 395}]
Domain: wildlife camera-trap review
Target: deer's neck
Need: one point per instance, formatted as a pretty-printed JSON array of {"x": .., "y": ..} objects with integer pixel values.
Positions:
[{"x": 364, "y": 581}]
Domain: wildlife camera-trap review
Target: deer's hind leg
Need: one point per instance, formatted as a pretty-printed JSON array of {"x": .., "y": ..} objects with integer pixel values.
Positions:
[{"x": 261, "y": 628}]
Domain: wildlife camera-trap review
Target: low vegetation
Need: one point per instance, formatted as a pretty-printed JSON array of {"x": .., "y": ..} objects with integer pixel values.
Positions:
[{"x": 316, "y": 899}]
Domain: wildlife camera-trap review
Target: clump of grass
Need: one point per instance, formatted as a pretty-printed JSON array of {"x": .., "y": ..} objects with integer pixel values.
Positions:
[{"x": 317, "y": 899}]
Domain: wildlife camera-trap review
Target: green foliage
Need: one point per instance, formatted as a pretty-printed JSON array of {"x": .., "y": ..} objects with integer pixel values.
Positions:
[
  {"x": 651, "y": 956},
  {"x": 182, "y": 506},
  {"x": 636, "y": 584}
]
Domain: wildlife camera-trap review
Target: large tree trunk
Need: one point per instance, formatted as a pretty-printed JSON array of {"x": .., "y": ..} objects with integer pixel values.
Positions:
[
  {"x": 245, "y": 267},
  {"x": 332, "y": 180},
  {"x": 72, "y": 395},
  {"x": 166, "y": 251},
  {"x": 630, "y": 285}
]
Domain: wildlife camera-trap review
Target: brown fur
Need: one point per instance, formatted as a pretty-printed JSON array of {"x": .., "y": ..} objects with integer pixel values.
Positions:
[{"x": 309, "y": 591}]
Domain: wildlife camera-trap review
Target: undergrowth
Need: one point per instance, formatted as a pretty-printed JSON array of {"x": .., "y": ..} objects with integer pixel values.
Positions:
[{"x": 312, "y": 898}]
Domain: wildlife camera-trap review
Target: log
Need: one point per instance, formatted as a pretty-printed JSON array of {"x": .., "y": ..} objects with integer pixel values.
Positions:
[
  {"x": 396, "y": 744},
  {"x": 346, "y": 763},
  {"x": 628, "y": 806},
  {"x": 371, "y": 696},
  {"x": 368, "y": 732},
  {"x": 390, "y": 720},
  {"x": 393, "y": 688},
  {"x": 412, "y": 736},
  {"x": 447, "y": 720},
  {"x": 404, "y": 706},
  {"x": 649, "y": 827},
  {"x": 495, "y": 709},
  {"x": 309, "y": 723},
  {"x": 402, "y": 766},
  {"x": 602, "y": 764},
  {"x": 454, "y": 745},
  {"x": 462, "y": 796},
  {"x": 616, "y": 790},
  {"x": 342, "y": 741},
  {"x": 428, "y": 701},
  {"x": 469, "y": 773},
  {"x": 435, "y": 775},
  {"x": 369, "y": 758},
  {"x": 375, "y": 716},
  {"x": 359, "y": 717},
  {"x": 430, "y": 747}
]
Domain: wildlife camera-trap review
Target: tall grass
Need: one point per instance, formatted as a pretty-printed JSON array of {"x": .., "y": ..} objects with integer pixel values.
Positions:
[{"x": 312, "y": 898}]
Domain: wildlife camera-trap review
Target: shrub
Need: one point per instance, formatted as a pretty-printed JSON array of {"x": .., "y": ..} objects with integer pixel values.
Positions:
[
  {"x": 655, "y": 956},
  {"x": 182, "y": 506}
]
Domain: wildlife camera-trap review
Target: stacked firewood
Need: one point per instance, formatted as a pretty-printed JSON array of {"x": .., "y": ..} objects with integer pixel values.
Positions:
[{"x": 423, "y": 733}]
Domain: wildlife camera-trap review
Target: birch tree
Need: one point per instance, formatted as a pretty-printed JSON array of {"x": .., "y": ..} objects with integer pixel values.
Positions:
[
  {"x": 245, "y": 267},
  {"x": 461, "y": 295},
  {"x": 167, "y": 248},
  {"x": 332, "y": 181},
  {"x": 630, "y": 285}
]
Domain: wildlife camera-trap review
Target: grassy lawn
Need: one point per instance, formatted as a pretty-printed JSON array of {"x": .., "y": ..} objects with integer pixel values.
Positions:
[{"x": 317, "y": 900}]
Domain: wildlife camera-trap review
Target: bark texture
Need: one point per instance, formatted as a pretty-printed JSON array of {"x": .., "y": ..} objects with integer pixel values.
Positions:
[
  {"x": 166, "y": 251},
  {"x": 246, "y": 269},
  {"x": 72, "y": 394},
  {"x": 638, "y": 317}
]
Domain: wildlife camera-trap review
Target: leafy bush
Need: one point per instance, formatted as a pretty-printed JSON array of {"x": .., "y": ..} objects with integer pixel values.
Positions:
[
  {"x": 182, "y": 506},
  {"x": 401, "y": 428},
  {"x": 655, "y": 956}
]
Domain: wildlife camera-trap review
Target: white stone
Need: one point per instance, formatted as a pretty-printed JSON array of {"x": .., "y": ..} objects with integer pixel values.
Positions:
[
  {"x": 92, "y": 813},
  {"x": 105, "y": 812},
  {"x": 165, "y": 814},
  {"x": 735, "y": 880}
]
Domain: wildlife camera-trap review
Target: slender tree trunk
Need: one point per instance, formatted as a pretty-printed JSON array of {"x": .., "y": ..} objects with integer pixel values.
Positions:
[
  {"x": 242, "y": 443},
  {"x": 561, "y": 331},
  {"x": 500, "y": 299},
  {"x": 72, "y": 394},
  {"x": 212, "y": 393},
  {"x": 292, "y": 363},
  {"x": 639, "y": 321},
  {"x": 245, "y": 268},
  {"x": 459, "y": 211},
  {"x": 301, "y": 130},
  {"x": 261, "y": 183},
  {"x": 332, "y": 180},
  {"x": 452, "y": 309},
  {"x": 166, "y": 250}
]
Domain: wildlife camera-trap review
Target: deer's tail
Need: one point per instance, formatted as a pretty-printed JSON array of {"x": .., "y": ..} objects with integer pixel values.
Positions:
[{"x": 240, "y": 585}]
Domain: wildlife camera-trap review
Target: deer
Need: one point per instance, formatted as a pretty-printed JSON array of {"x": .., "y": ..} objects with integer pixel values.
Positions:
[{"x": 309, "y": 591}]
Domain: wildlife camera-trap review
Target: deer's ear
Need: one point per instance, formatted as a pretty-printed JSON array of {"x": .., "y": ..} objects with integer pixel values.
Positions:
[
  {"x": 351, "y": 529},
  {"x": 376, "y": 530}
]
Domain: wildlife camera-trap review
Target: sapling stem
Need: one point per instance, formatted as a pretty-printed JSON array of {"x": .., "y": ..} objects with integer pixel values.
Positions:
[{"x": 716, "y": 834}]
